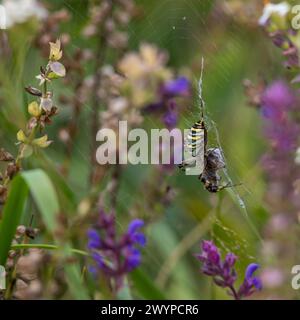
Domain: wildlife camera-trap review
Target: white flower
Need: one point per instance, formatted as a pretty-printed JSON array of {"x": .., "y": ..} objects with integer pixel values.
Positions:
[
  {"x": 281, "y": 9},
  {"x": 19, "y": 11},
  {"x": 42, "y": 79}
]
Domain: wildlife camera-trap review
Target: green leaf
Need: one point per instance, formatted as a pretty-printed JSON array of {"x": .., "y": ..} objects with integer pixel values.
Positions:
[
  {"x": 12, "y": 213},
  {"x": 66, "y": 196},
  {"x": 44, "y": 196},
  {"x": 145, "y": 286}
]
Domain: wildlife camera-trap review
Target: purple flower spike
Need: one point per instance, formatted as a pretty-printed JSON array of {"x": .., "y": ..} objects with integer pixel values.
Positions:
[
  {"x": 277, "y": 103},
  {"x": 223, "y": 272},
  {"x": 276, "y": 100},
  {"x": 115, "y": 257}
]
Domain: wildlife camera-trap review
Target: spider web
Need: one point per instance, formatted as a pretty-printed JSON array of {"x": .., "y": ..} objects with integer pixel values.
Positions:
[{"x": 211, "y": 125}]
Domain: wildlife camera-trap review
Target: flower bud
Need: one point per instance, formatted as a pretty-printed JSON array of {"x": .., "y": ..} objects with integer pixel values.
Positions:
[
  {"x": 46, "y": 103},
  {"x": 21, "y": 230},
  {"x": 55, "y": 52},
  {"x": 34, "y": 109},
  {"x": 21, "y": 136},
  {"x": 42, "y": 142}
]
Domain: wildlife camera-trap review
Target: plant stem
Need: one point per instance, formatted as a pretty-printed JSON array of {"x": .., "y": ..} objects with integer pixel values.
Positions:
[
  {"x": 187, "y": 242},
  {"x": 100, "y": 57},
  {"x": 234, "y": 293},
  {"x": 46, "y": 247}
]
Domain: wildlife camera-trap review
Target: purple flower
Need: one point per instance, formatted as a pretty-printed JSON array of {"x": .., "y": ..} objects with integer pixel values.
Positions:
[
  {"x": 284, "y": 40},
  {"x": 98, "y": 259},
  {"x": 252, "y": 267},
  {"x": 210, "y": 253},
  {"x": 115, "y": 257},
  {"x": 133, "y": 258},
  {"x": 212, "y": 264},
  {"x": 279, "y": 39},
  {"x": 170, "y": 117},
  {"x": 135, "y": 236},
  {"x": 168, "y": 110},
  {"x": 251, "y": 283},
  {"x": 230, "y": 259},
  {"x": 223, "y": 272},
  {"x": 177, "y": 87},
  {"x": 155, "y": 107},
  {"x": 276, "y": 100},
  {"x": 165, "y": 104},
  {"x": 292, "y": 57},
  {"x": 135, "y": 225},
  {"x": 94, "y": 239},
  {"x": 283, "y": 136}
]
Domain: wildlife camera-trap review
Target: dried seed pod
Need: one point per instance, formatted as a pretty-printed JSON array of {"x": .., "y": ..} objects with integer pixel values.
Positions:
[
  {"x": 46, "y": 104},
  {"x": 43, "y": 70},
  {"x": 118, "y": 39},
  {"x": 3, "y": 194},
  {"x": 46, "y": 118},
  {"x": 2, "y": 190},
  {"x": 33, "y": 91},
  {"x": 12, "y": 254},
  {"x": 122, "y": 17},
  {"x": 110, "y": 25},
  {"x": 5, "y": 156},
  {"x": 31, "y": 232},
  {"x": 254, "y": 92},
  {"x": 21, "y": 230},
  {"x": 11, "y": 170},
  {"x": 9, "y": 264},
  {"x": 32, "y": 123}
]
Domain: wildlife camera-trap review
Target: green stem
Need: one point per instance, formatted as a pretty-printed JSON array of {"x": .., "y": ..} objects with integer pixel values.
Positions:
[
  {"x": 45, "y": 89},
  {"x": 45, "y": 246},
  {"x": 9, "y": 291}
]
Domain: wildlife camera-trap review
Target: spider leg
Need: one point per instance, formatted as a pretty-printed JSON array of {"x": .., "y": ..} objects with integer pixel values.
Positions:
[{"x": 187, "y": 163}]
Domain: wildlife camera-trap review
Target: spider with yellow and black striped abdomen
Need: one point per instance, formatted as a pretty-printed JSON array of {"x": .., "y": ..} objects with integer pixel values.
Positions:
[{"x": 207, "y": 161}]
